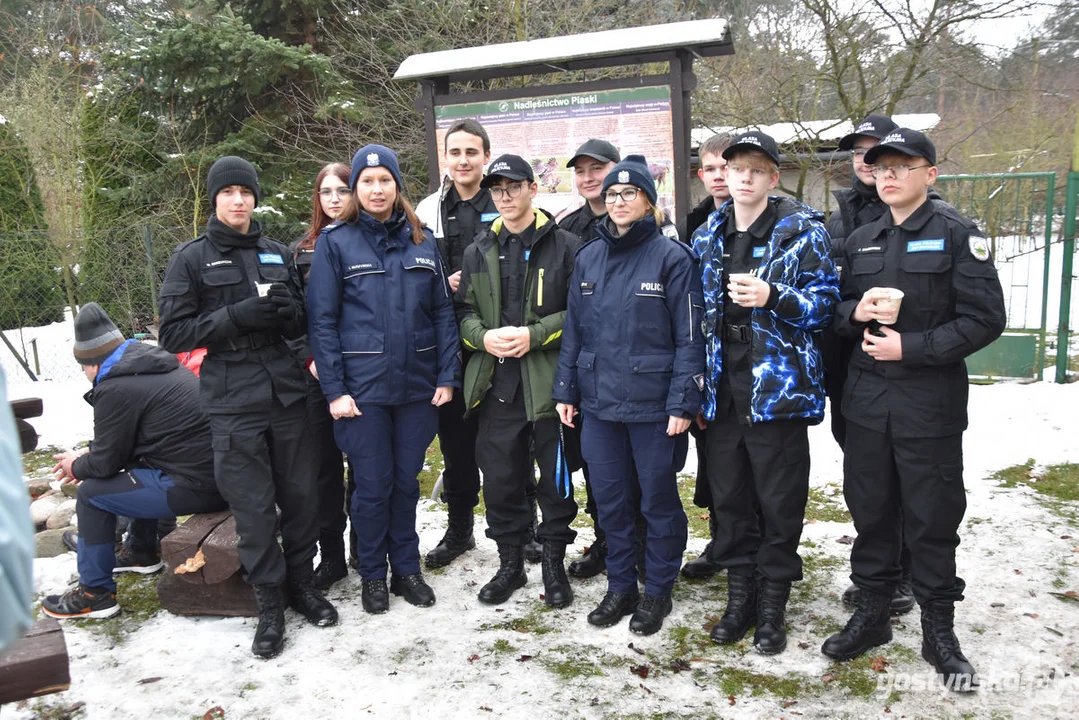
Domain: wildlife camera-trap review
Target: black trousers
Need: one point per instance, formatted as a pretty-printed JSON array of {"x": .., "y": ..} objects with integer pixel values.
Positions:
[
  {"x": 507, "y": 441},
  {"x": 759, "y": 476},
  {"x": 702, "y": 491},
  {"x": 905, "y": 491},
  {"x": 330, "y": 469},
  {"x": 263, "y": 459},
  {"x": 457, "y": 440}
]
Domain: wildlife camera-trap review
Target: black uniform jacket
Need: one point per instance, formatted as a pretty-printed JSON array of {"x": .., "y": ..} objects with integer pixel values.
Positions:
[{"x": 953, "y": 306}]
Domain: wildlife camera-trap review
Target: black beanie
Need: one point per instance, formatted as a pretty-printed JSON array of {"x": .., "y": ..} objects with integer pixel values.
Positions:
[
  {"x": 231, "y": 170},
  {"x": 95, "y": 335},
  {"x": 632, "y": 171}
]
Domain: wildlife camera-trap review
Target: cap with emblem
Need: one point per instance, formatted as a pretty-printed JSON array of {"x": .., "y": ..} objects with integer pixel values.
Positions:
[
  {"x": 874, "y": 126},
  {"x": 906, "y": 141},
  {"x": 96, "y": 336},
  {"x": 632, "y": 171},
  {"x": 370, "y": 156},
  {"x": 511, "y": 167},
  {"x": 596, "y": 149},
  {"x": 231, "y": 170},
  {"x": 754, "y": 140}
]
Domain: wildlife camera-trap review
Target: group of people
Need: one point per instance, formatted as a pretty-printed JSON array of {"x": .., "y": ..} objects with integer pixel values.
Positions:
[{"x": 592, "y": 342}]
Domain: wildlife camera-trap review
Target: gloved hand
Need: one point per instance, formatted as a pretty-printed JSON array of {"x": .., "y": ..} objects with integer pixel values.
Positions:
[
  {"x": 254, "y": 313},
  {"x": 282, "y": 299}
]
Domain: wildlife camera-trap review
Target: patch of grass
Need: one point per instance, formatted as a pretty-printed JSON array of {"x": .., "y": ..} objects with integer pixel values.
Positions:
[
  {"x": 739, "y": 681},
  {"x": 823, "y": 507},
  {"x": 46, "y": 710},
  {"x": 856, "y": 676},
  {"x": 1057, "y": 485},
  {"x": 532, "y": 622},
  {"x": 137, "y": 596},
  {"x": 38, "y": 463},
  {"x": 697, "y": 517},
  {"x": 571, "y": 668},
  {"x": 433, "y": 465},
  {"x": 503, "y": 646},
  {"x": 688, "y": 641}
]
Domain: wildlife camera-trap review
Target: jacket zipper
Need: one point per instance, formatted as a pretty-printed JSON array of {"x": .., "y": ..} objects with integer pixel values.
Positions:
[{"x": 539, "y": 291}]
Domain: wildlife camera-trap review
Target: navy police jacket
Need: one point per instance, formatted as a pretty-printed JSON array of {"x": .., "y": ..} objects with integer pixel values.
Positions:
[
  {"x": 380, "y": 314},
  {"x": 788, "y": 372},
  {"x": 632, "y": 349}
]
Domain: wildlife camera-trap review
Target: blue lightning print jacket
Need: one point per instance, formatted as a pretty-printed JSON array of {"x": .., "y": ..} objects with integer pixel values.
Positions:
[{"x": 787, "y": 365}]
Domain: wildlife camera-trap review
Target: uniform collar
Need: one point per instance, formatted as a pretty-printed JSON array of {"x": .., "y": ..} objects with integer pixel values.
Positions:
[
  {"x": 914, "y": 223},
  {"x": 760, "y": 230},
  {"x": 639, "y": 232},
  {"x": 479, "y": 201}
]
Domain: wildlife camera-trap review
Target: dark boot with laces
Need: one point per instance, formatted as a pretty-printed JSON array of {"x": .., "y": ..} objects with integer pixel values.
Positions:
[
  {"x": 592, "y": 562},
  {"x": 940, "y": 647},
  {"x": 771, "y": 635},
  {"x": 556, "y": 588},
  {"x": 305, "y": 598},
  {"x": 902, "y": 599},
  {"x": 374, "y": 596},
  {"x": 867, "y": 628},
  {"x": 413, "y": 588},
  {"x": 650, "y": 613},
  {"x": 613, "y": 608},
  {"x": 533, "y": 549},
  {"x": 331, "y": 565},
  {"x": 270, "y": 633},
  {"x": 457, "y": 541},
  {"x": 741, "y": 610},
  {"x": 510, "y": 576}
]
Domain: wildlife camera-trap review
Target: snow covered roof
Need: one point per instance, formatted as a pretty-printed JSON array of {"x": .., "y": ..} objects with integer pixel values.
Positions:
[
  {"x": 703, "y": 38},
  {"x": 814, "y": 130}
]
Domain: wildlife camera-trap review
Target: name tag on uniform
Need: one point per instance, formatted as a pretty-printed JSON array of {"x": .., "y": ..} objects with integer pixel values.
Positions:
[
  {"x": 758, "y": 252},
  {"x": 488, "y": 217},
  {"x": 528, "y": 253},
  {"x": 425, "y": 261},
  {"x": 271, "y": 259},
  {"x": 934, "y": 245}
]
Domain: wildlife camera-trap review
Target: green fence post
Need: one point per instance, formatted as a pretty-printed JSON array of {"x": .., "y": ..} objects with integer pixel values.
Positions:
[
  {"x": 1066, "y": 273},
  {"x": 1050, "y": 190}
]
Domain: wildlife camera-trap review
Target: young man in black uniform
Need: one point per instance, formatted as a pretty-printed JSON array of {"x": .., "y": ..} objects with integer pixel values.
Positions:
[
  {"x": 237, "y": 293},
  {"x": 858, "y": 205},
  {"x": 459, "y": 211},
  {"x": 713, "y": 173},
  {"x": 905, "y": 399}
]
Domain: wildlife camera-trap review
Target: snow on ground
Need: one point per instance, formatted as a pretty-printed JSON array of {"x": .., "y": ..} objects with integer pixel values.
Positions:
[{"x": 462, "y": 659}]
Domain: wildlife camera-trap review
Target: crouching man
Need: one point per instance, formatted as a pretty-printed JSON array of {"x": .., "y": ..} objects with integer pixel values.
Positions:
[{"x": 150, "y": 457}]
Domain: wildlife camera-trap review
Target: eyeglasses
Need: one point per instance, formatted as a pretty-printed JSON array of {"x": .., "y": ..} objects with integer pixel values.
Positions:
[
  {"x": 339, "y": 192},
  {"x": 859, "y": 152},
  {"x": 900, "y": 172},
  {"x": 510, "y": 191},
  {"x": 627, "y": 195}
]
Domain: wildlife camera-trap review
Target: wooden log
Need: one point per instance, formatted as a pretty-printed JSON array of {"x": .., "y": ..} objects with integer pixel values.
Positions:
[
  {"x": 27, "y": 407},
  {"x": 219, "y": 549},
  {"x": 183, "y": 542},
  {"x": 231, "y": 597},
  {"x": 36, "y": 664}
]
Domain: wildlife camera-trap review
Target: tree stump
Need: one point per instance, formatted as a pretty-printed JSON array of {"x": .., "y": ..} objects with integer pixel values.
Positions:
[{"x": 215, "y": 588}]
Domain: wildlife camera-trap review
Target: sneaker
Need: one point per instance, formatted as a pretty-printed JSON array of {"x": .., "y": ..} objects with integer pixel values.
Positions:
[
  {"x": 81, "y": 602},
  {"x": 144, "y": 563}
]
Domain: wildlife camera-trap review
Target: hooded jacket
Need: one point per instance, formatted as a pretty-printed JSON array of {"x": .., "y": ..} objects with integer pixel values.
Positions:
[
  {"x": 787, "y": 365},
  {"x": 380, "y": 315},
  {"x": 147, "y": 415},
  {"x": 632, "y": 350},
  {"x": 547, "y": 277}
]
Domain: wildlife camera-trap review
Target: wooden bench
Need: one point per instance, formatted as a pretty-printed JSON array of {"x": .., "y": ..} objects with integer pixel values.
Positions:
[
  {"x": 36, "y": 664},
  {"x": 215, "y": 587},
  {"x": 23, "y": 410}
]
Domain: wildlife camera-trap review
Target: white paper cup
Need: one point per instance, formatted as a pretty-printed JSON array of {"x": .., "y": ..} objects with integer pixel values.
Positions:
[
  {"x": 739, "y": 278},
  {"x": 263, "y": 288},
  {"x": 889, "y": 299}
]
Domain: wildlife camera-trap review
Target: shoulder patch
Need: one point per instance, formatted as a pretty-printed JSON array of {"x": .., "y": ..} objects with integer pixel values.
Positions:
[
  {"x": 979, "y": 248},
  {"x": 670, "y": 231}
]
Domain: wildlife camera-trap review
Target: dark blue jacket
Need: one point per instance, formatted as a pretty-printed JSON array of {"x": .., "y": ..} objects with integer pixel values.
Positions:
[
  {"x": 380, "y": 314},
  {"x": 632, "y": 348},
  {"x": 788, "y": 372}
]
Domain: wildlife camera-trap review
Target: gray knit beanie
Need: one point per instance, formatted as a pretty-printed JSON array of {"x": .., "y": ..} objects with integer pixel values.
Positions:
[{"x": 95, "y": 335}]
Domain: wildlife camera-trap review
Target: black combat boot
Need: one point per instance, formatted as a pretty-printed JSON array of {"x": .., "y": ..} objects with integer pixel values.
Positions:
[
  {"x": 374, "y": 596},
  {"x": 702, "y": 568},
  {"x": 305, "y": 598},
  {"x": 592, "y": 562},
  {"x": 331, "y": 565},
  {"x": 771, "y": 635},
  {"x": 902, "y": 599},
  {"x": 613, "y": 608},
  {"x": 556, "y": 589},
  {"x": 533, "y": 549},
  {"x": 648, "y": 618},
  {"x": 457, "y": 540},
  {"x": 413, "y": 588},
  {"x": 940, "y": 647},
  {"x": 868, "y": 627},
  {"x": 270, "y": 633},
  {"x": 510, "y": 575},
  {"x": 741, "y": 610}
]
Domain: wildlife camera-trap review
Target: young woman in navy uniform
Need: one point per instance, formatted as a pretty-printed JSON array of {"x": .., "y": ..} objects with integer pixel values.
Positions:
[
  {"x": 632, "y": 362},
  {"x": 905, "y": 398},
  {"x": 385, "y": 342}
]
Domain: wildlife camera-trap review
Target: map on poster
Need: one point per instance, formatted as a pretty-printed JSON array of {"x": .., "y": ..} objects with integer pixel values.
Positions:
[{"x": 546, "y": 130}]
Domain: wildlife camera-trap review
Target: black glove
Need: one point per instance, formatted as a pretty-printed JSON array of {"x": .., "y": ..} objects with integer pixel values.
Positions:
[
  {"x": 282, "y": 300},
  {"x": 254, "y": 313}
]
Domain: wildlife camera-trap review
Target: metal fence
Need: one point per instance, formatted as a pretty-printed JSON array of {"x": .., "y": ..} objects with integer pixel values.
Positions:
[{"x": 43, "y": 274}]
